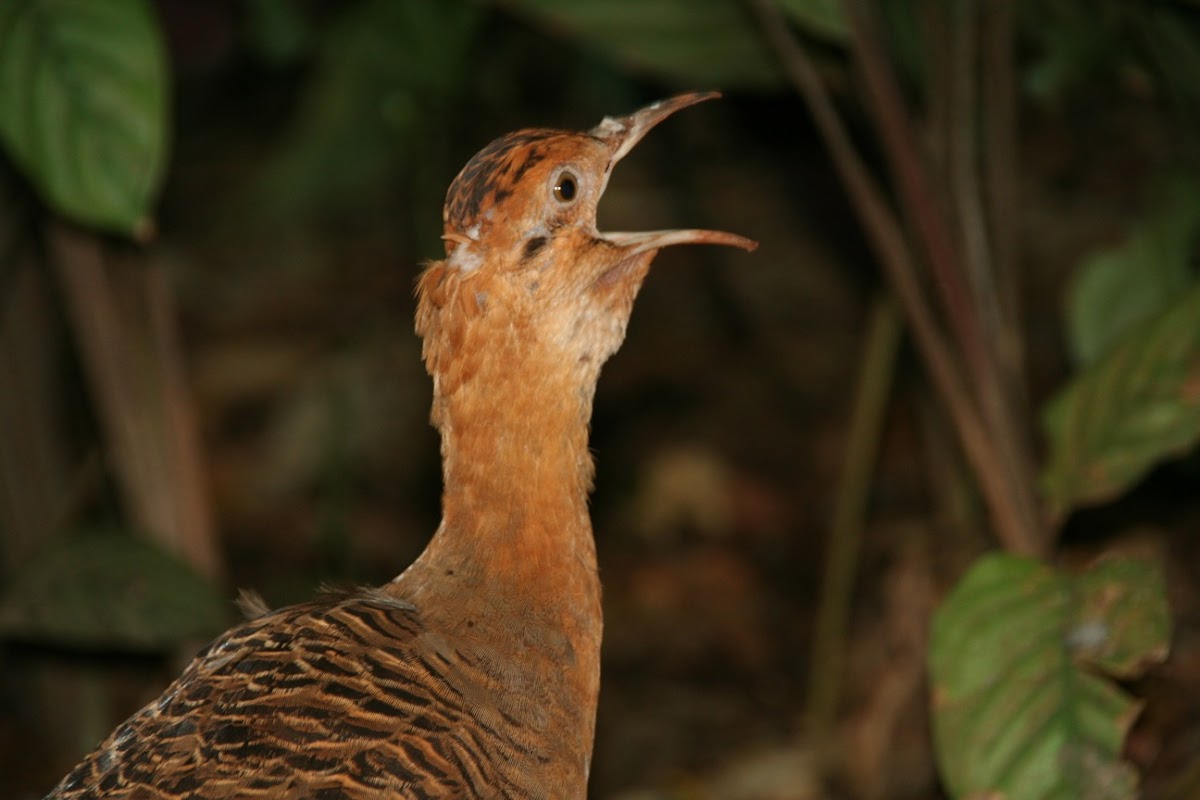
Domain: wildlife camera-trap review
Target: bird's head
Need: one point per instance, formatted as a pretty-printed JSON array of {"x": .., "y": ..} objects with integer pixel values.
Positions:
[{"x": 522, "y": 244}]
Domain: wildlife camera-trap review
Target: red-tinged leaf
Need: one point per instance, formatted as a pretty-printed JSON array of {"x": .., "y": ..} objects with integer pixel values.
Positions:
[{"x": 1019, "y": 708}]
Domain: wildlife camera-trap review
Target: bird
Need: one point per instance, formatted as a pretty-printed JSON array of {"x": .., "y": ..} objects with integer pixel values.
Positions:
[{"x": 474, "y": 673}]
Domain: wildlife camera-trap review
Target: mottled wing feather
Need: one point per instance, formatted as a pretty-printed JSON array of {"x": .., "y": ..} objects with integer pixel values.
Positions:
[{"x": 339, "y": 699}]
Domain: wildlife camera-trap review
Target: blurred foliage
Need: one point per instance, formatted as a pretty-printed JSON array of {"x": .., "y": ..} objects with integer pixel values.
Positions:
[
  {"x": 83, "y": 111},
  {"x": 1172, "y": 43},
  {"x": 705, "y": 42},
  {"x": 278, "y": 31},
  {"x": 383, "y": 72},
  {"x": 110, "y": 590},
  {"x": 83, "y": 118},
  {"x": 1075, "y": 44},
  {"x": 1019, "y": 710},
  {"x": 1117, "y": 289},
  {"x": 690, "y": 43},
  {"x": 1078, "y": 46},
  {"x": 1135, "y": 407},
  {"x": 824, "y": 18}
]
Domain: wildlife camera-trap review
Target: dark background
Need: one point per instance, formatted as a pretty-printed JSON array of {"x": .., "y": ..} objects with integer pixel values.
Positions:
[{"x": 309, "y": 159}]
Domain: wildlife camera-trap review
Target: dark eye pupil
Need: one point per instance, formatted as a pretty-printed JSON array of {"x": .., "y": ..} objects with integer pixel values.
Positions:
[{"x": 564, "y": 188}]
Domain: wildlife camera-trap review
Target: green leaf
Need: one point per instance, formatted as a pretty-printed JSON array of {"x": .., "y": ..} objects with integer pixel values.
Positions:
[
  {"x": 1137, "y": 406},
  {"x": 697, "y": 43},
  {"x": 1117, "y": 289},
  {"x": 110, "y": 590},
  {"x": 1122, "y": 624},
  {"x": 822, "y": 18},
  {"x": 83, "y": 108},
  {"x": 1019, "y": 710}
]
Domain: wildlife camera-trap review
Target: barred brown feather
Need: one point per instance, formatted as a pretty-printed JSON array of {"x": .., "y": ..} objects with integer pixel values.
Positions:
[{"x": 340, "y": 699}]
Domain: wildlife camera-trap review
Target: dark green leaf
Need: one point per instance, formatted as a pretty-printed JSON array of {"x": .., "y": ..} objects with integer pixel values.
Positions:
[
  {"x": 1138, "y": 405},
  {"x": 1117, "y": 289},
  {"x": 698, "y": 43},
  {"x": 110, "y": 590},
  {"x": 1172, "y": 36},
  {"x": 278, "y": 30},
  {"x": 83, "y": 108},
  {"x": 820, "y": 17},
  {"x": 1072, "y": 44},
  {"x": 384, "y": 67},
  {"x": 1018, "y": 708}
]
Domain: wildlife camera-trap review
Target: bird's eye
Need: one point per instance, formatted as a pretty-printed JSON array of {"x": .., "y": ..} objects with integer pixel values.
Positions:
[{"x": 566, "y": 187}]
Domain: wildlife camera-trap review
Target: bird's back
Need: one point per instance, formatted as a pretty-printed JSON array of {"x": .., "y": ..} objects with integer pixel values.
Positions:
[{"x": 343, "y": 698}]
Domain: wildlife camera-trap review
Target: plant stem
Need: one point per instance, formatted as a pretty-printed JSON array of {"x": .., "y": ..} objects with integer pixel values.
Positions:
[
  {"x": 891, "y": 248},
  {"x": 133, "y": 367},
  {"x": 1000, "y": 170},
  {"x": 877, "y": 368}
]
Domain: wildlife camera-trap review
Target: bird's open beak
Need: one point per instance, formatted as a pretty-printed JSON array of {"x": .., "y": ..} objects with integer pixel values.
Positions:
[{"x": 622, "y": 133}]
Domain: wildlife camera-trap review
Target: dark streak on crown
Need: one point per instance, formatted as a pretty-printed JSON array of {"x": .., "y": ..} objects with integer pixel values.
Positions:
[
  {"x": 491, "y": 176},
  {"x": 487, "y": 178}
]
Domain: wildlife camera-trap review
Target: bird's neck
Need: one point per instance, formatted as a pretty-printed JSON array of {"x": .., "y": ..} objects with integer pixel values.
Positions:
[
  {"x": 510, "y": 578},
  {"x": 517, "y": 472}
]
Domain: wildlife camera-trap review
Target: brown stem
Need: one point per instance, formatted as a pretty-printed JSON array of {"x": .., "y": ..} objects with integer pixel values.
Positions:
[
  {"x": 938, "y": 77},
  {"x": 137, "y": 386},
  {"x": 964, "y": 160},
  {"x": 917, "y": 198},
  {"x": 997, "y": 385},
  {"x": 1000, "y": 182},
  {"x": 180, "y": 430},
  {"x": 1000, "y": 379},
  {"x": 964, "y": 278},
  {"x": 888, "y": 242}
]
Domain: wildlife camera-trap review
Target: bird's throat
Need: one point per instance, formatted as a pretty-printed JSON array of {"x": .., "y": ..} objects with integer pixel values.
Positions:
[
  {"x": 510, "y": 578},
  {"x": 517, "y": 472}
]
